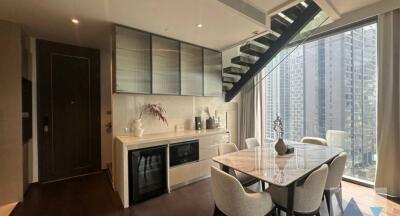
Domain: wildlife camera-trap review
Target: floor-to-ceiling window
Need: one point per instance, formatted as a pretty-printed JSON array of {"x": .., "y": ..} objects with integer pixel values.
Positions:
[{"x": 329, "y": 83}]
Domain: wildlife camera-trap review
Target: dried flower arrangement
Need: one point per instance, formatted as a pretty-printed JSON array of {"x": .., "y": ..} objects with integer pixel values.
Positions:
[
  {"x": 278, "y": 126},
  {"x": 155, "y": 110}
]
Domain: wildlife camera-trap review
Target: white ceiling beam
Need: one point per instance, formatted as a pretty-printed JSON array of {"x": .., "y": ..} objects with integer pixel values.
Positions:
[
  {"x": 283, "y": 6},
  {"x": 360, "y": 14},
  {"x": 249, "y": 11},
  {"x": 328, "y": 8}
]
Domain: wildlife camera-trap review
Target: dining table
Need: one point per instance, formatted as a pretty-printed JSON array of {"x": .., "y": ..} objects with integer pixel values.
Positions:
[{"x": 289, "y": 170}]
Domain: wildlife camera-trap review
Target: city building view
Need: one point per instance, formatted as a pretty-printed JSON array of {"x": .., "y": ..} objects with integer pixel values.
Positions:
[{"x": 328, "y": 84}]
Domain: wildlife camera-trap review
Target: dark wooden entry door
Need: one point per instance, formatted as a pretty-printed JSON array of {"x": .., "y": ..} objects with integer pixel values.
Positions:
[{"x": 68, "y": 84}]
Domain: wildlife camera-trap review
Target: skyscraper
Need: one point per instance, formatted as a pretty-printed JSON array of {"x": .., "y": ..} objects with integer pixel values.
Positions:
[{"x": 328, "y": 84}]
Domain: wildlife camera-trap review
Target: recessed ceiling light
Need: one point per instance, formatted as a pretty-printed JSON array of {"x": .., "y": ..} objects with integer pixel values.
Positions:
[
  {"x": 75, "y": 21},
  {"x": 199, "y": 25}
]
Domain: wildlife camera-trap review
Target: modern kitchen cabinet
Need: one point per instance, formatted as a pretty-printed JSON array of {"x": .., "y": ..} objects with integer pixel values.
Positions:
[
  {"x": 191, "y": 70},
  {"x": 212, "y": 64},
  {"x": 146, "y": 63},
  {"x": 132, "y": 61},
  {"x": 135, "y": 158},
  {"x": 165, "y": 66}
]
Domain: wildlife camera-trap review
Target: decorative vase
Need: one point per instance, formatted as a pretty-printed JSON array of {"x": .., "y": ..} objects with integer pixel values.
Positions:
[
  {"x": 280, "y": 147},
  {"x": 137, "y": 128}
]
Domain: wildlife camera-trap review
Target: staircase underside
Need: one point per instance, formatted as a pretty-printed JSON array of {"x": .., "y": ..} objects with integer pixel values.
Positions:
[{"x": 256, "y": 54}]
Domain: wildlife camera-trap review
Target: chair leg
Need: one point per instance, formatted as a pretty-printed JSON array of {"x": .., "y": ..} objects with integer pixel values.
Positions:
[
  {"x": 328, "y": 199},
  {"x": 262, "y": 185},
  {"x": 217, "y": 212},
  {"x": 272, "y": 212},
  {"x": 339, "y": 198},
  {"x": 278, "y": 212}
]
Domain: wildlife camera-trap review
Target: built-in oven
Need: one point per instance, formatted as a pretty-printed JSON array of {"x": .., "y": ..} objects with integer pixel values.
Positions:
[{"x": 183, "y": 152}]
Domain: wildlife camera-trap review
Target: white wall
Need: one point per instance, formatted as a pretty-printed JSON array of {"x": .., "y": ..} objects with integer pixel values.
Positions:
[
  {"x": 181, "y": 111},
  {"x": 33, "y": 148},
  {"x": 105, "y": 110},
  {"x": 11, "y": 152}
]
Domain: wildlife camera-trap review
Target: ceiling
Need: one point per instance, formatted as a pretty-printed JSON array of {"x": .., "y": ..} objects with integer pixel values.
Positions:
[
  {"x": 345, "y": 6},
  {"x": 222, "y": 25},
  {"x": 178, "y": 19}
]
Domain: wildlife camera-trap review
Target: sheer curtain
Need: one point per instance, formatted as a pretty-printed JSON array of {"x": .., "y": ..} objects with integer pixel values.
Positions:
[
  {"x": 249, "y": 113},
  {"x": 388, "y": 172}
]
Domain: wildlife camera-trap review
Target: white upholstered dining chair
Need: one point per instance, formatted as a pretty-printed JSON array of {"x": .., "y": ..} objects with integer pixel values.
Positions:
[
  {"x": 307, "y": 197},
  {"x": 252, "y": 142},
  {"x": 226, "y": 148},
  {"x": 314, "y": 140},
  {"x": 333, "y": 184},
  {"x": 244, "y": 179},
  {"x": 233, "y": 200}
]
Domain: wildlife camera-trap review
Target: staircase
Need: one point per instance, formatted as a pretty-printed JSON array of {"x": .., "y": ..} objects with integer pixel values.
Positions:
[{"x": 256, "y": 54}]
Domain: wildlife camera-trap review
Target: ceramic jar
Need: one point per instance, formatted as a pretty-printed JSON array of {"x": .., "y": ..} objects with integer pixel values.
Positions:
[{"x": 137, "y": 128}]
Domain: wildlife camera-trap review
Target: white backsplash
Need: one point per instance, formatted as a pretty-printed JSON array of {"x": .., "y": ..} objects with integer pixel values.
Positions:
[{"x": 181, "y": 111}]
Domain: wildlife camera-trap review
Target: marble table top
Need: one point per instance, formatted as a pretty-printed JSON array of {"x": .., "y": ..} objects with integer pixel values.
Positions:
[{"x": 265, "y": 164}]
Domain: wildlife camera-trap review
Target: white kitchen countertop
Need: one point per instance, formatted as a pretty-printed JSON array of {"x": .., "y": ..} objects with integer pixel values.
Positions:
[{"x": 150, "y": 140}]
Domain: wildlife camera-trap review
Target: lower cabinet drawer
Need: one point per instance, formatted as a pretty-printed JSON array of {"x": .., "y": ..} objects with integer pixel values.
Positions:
[
  {"x": 184, "y": 174},
  {"x": 208, "y": 152},
  {"x": 208, "y": 145}
]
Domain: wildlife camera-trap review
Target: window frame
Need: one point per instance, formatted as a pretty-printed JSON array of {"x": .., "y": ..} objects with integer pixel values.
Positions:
[{"x": 319, "y": 36}]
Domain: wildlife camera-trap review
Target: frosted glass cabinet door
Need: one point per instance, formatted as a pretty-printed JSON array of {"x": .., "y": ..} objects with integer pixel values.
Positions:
[
  {"x": 133, "y": 61},
  {"x": 212, "y": 73},
  {"x": 191, "y": 70},
  {"x": 165, "y": 58}
]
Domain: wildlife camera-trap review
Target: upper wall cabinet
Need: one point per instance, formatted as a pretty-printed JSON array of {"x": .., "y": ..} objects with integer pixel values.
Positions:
[
  {"x": 146, "y": 63},
  {"x": 133, "y": 61},
  {"x": 191, "y": 70},
  {"x": 212, "y": 73},
  {"x": 165, "y": 61}
]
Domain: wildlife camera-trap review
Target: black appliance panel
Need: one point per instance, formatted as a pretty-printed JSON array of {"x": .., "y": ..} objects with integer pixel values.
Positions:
[
  {"x": 147, "y": 173},
  {"x": 184, "y": 152}
]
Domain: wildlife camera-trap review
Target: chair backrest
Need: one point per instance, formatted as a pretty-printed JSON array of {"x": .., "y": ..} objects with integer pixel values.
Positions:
[
  {"x": 227, "y": 191},
  {"x": 336, "y": 138},
  {"x": 227, "y": 148},
  {"x": 314, "y": 140},
  {"x": 252, "y": 142},
  {"x": 308, "y": 196},
  {"x": 336, "y": 169}
]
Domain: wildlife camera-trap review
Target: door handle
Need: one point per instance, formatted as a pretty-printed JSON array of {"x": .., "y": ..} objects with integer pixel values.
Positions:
[
  {"x": 45, "y": 128},
  {"x": 46, "y": 124}
]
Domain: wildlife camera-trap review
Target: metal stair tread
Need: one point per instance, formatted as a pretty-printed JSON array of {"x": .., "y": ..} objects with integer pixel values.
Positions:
[
  {"x": 252, "y": 49},
  {"x": 242, "y": 60}
]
